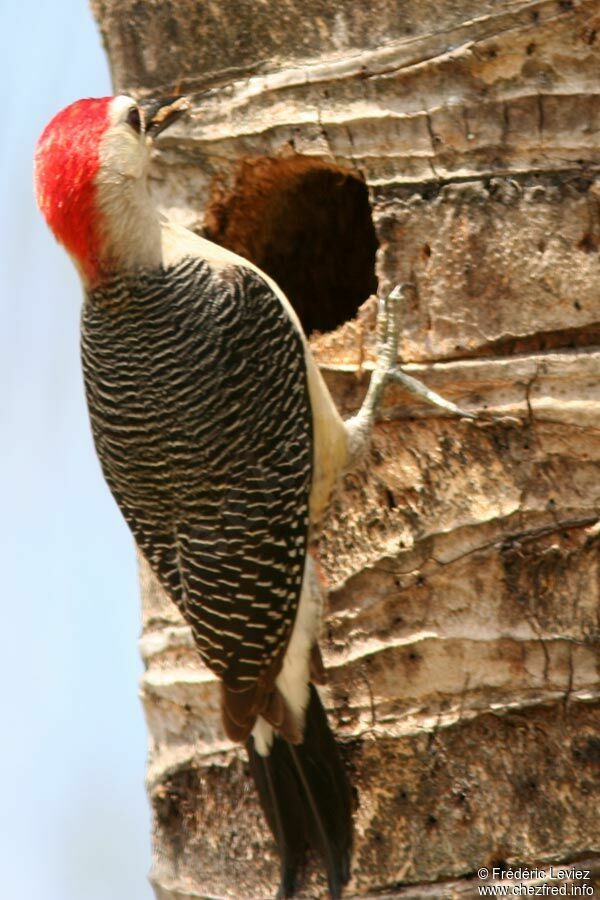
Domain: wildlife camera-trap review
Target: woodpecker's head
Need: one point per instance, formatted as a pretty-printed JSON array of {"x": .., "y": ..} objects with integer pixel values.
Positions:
[{"x": 90, "y": 180}]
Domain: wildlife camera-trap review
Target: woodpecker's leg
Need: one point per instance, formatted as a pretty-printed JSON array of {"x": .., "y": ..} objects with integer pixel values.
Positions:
[{"x": 387, "y": 370}]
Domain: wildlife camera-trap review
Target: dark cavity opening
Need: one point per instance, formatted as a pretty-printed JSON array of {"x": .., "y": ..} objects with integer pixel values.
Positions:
[{"x": 307, "y": 224}]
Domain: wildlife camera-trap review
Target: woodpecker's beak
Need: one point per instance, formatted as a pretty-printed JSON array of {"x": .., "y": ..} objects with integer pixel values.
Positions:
[{"x": 159, "y": 114}]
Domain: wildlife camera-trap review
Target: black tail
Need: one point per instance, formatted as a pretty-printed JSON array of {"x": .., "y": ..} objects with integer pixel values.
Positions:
[{"x": 305, "y": 794}]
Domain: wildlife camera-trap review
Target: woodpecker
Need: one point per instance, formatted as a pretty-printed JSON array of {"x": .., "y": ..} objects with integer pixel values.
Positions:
[{"x": 221, "y": 445}]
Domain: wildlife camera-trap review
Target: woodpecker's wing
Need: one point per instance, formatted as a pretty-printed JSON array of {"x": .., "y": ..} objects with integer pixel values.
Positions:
[{"x": 197, "y": 389}]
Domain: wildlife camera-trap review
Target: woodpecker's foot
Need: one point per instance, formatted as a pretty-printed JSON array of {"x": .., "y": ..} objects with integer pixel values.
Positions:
[
  {"x": 387, "y": 370},
  {"x": 388, "y": 326}
]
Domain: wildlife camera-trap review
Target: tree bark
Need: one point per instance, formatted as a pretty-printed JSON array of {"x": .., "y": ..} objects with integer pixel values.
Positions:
[{"x": 462, "y": 630}]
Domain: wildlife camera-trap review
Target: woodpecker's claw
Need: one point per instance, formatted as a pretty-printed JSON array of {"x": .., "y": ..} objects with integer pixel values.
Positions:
[
  {"x": 416, "y": 387},
  {"x": 386, "y": 370},
  {"x": 388, "y": 329}
]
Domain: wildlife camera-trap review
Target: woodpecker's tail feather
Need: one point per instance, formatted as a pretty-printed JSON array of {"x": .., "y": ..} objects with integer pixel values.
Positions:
[{"x": 305, "y": 795}]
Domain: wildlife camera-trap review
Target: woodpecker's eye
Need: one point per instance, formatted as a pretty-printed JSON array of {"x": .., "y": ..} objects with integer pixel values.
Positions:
[{"x": 134, "y": 120}]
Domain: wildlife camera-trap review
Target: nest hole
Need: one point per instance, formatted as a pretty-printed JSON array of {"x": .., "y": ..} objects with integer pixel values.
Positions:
[{"x": 307, "y": 223}]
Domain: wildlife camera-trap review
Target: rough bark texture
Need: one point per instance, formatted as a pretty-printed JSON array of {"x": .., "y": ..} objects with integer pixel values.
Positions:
[{"x": 462, "y": 559}]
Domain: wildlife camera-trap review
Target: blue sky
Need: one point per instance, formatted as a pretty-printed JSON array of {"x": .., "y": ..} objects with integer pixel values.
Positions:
[{"x": 74, "y": 818}]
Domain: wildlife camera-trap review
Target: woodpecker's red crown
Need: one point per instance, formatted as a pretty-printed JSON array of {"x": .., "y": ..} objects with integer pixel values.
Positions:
[{"x": 67, "y": 160}]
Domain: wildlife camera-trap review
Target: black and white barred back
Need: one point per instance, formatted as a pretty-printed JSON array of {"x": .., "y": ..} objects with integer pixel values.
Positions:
[{"x": 197, "y": 390}]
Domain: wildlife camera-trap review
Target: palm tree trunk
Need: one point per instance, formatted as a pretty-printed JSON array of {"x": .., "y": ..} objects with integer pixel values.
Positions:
[{"x": 461, "y": 560}]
